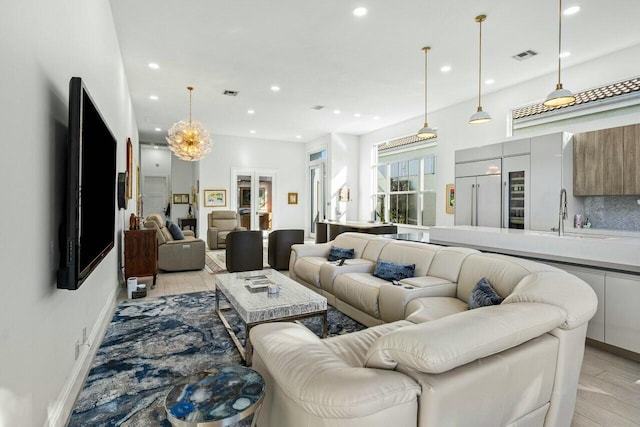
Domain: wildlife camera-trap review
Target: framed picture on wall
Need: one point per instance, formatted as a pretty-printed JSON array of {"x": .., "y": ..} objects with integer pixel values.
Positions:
[
  {"x": 292, "y": 198},
  {"x": 129, "y": 169},
  {"x": 215, "y": 198},
  {"x": 245, "y": 197},
  {"x": 180, "y": 199},
  {"x": 450, "y": 202}
]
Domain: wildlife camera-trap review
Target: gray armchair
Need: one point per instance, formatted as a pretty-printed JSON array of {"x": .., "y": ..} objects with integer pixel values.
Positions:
[
  {"x": 176, "y": 255},
  {"x": 220, "y": 224}
]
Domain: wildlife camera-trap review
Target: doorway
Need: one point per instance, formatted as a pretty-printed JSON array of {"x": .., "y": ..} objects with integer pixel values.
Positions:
[
  {"x": 317, "y": 185},
  {"x": 254, "y": 198},
  {"x": 155, "y": 195}
]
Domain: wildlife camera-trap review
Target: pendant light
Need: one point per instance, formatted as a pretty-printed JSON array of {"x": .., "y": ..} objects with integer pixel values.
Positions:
[
  {"x": 426, "y": 131},
  {"x": 189, "y": 140},
  {"x": 560, "y": 96},
  {"x": 480, "y": 116}
]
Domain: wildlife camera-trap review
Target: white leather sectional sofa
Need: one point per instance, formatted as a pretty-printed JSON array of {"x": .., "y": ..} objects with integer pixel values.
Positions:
[{"x": 427, "y": 360}]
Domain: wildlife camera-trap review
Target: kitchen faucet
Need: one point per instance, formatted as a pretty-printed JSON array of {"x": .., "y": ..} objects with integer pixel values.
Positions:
[{"x": 562, "y": 212}]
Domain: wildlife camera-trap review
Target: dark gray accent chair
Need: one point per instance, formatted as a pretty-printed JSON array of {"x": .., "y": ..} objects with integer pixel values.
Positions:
[
  {"x": 244, "y": 251},
  {"x": 279, "y": 251}
]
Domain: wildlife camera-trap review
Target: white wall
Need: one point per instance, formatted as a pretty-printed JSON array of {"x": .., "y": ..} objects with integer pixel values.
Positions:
[
  {"x": 181, "y": 182},
  {"x": 286, "y": 158},
  {"x": 455, "y": 133},
  {"x": 343, "y": 173},
  {"x": 43, "y": 44}
]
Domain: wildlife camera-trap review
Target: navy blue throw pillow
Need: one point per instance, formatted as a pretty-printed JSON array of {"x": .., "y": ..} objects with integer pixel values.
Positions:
[
  {"x": 175, "y": 231},
  {"x": 340, "y": 253},
  {"x": 391, "y": 271},
  {"x": 483, "y": 295}
]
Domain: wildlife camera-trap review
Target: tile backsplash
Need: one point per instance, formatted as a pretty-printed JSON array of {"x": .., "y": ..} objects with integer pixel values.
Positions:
[{"x": 613, "y": 212}]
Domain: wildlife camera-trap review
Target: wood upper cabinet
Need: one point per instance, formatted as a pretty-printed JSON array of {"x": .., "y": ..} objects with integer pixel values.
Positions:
[
  {"x": 599, "y": 159},
  {"x": 632, "y": 159}
]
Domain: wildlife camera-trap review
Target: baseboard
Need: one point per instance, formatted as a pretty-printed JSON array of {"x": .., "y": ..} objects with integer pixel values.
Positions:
[{"x": 59, "y": 412}]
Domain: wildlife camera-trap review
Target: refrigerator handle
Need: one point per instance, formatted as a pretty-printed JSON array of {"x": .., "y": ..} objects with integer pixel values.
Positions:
[
  {"x": 503, "y": 200},
  {"x": 477, "y": 200},
  {"x": 473, "y": 189}
]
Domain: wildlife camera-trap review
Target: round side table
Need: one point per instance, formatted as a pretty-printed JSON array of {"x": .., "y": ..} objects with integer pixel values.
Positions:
[{"x": 217, "y": 398}]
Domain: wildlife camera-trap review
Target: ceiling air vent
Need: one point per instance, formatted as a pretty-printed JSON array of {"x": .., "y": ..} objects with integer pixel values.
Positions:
[
  {"x": 230, "y": 92},
  {"x": 318, "y": 107},
  {"x": 524, "y": 55}
]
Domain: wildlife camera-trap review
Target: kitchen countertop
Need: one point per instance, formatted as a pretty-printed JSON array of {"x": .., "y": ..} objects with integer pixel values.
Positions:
[{"x": 618, "y": 251}]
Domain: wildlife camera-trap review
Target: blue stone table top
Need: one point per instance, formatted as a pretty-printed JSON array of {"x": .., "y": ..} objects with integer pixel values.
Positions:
[{"x": 218, "y": 397}]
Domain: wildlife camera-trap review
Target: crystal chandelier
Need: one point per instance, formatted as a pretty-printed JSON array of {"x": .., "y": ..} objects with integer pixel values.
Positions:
[{"x": 189, "y": 140}]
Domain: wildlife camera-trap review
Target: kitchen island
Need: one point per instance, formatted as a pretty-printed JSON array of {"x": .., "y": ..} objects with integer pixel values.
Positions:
[{"x": 609, "y": 263}]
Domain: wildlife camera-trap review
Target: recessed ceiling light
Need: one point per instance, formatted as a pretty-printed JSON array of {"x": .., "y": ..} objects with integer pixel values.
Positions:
[
  {"x": 252, "y": 131},
  {"x": 158, "y": 129},
  {"x": 251, "y": 111},
  {"x": 153, "y": 97},
  {"x": 356, "y": 115},
  {"x": 336, "y": 111},
  {"x": 360, "y": 11},
  {"x": 572, "y": 10},
  {"x": 155, "y": 147},
  {"x": 153, "y": 65},
  {"x": 565, "y": 54},
  {"x": 446, "y": 68},
  {"x": 275, "y": 88},
  {"x": 489, "y": 81},
  {"x": 298, "y": 136},
  {"x": 376, "y": 117}
]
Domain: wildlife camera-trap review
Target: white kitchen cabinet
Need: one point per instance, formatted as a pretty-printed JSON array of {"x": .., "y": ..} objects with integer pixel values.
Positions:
[
  {"x": 622, "y": 313},
  {"x": 546, "y": 181},
  {"x": 479, "y": 193},
  {"x": 595, "y": 279},
  {"x": 478, "y": 201}
]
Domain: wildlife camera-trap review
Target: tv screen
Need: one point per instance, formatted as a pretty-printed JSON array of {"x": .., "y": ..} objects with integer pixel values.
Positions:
[{"x": 87, "y": 231}]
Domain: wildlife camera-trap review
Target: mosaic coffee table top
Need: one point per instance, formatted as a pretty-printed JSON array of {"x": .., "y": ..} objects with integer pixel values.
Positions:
[
  {"x": 292, "y": 299},
  {"x": 219, "y": 397}
]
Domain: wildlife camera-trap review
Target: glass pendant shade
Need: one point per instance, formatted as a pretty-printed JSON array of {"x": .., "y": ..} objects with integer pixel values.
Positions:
[
  {"x": 189, "y": 140},
  {"x": 559, "y": 96},
  {"x": 426, "y": 131},
  {"x": 480, "y": 116}
]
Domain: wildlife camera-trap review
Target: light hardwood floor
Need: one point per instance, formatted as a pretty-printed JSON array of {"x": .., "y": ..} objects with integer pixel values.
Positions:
[{"x": 609, "y": 389}]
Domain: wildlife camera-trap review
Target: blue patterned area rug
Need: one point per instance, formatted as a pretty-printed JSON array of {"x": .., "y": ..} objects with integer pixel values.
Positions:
[{"x": 152, "y": 345}]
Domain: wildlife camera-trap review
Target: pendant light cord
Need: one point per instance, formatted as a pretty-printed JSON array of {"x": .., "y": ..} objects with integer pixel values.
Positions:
[
  {"x": 190, "y": 88},
  {"x": 559, "y": 38},
  {"x": 426, "y": 62},
  {"x": 480, "y": 64}
]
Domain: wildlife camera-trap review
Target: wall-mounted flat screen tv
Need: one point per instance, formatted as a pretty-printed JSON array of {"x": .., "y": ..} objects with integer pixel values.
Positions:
[{"x": 87, "y": 229}]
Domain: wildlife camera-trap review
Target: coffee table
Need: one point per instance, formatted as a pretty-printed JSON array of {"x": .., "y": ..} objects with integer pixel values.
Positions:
[{"x": 292, "y": 302}]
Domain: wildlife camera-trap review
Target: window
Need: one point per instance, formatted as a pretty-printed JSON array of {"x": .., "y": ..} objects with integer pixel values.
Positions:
[{"x": 405, "y": 186}]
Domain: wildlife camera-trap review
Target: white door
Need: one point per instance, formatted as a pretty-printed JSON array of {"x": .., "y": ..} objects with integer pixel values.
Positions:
[
  {"x": 255, "y": 196},
  {"x": 488, "y": 201},
  {"x": 155, "y": 195},
  {"x": 316, "y": 199}
]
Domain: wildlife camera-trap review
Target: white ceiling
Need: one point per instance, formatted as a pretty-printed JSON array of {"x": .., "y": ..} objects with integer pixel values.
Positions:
[{"x": 319, "y": 53}]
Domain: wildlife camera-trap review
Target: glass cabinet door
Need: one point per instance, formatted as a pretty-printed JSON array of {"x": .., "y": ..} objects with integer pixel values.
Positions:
[{"x": 516, "y": 199}]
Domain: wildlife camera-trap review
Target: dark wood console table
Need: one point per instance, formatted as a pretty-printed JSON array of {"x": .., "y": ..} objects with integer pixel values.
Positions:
[
  {"x": 328, "y": 230},
  {"x": 140, "y": 254},
  {"x": 192, "y": 223}
]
